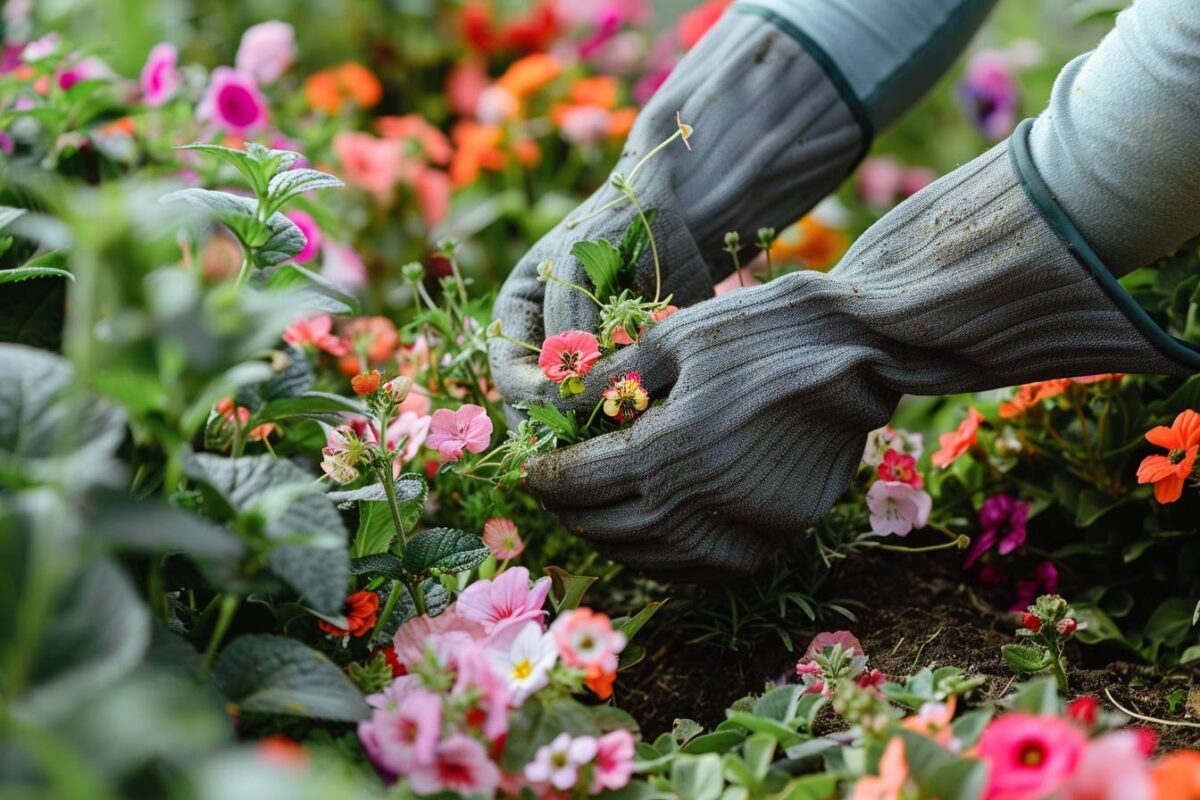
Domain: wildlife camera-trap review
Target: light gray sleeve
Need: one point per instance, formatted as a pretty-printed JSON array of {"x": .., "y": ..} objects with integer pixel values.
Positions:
[
  {"x": 1119, "y": 144},
  {"x": 890, "y": 52}
]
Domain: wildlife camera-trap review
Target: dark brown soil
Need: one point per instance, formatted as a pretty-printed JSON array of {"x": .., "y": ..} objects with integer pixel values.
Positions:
[{"x": 915, "y": 613}]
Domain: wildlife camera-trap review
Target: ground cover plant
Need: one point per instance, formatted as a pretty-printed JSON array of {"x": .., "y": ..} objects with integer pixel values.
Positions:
[{"x": 262, "y": 511}]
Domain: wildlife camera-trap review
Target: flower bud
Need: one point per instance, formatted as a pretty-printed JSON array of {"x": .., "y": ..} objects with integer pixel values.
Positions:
[
  {"x": 545, "y": 270},
  {"x": 1084, "y": 709},
  {"x": 1031, "y": 622},
  {"x": 399, "y": 387},
  {"x": 1066, "y": 626},
  {"x": 496, "y": 328},
  {"x": 366, "y": 382},
  {"x": 413, "y": 272}
]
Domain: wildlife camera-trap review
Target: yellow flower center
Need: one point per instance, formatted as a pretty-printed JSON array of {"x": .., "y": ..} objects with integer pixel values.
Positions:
[{"x": 522, "y": 669}]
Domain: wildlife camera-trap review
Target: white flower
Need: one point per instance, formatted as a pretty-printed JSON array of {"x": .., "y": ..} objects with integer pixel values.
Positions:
[
  {"x": 558, "y": 763},
  {"x": 524, "y": 660}
]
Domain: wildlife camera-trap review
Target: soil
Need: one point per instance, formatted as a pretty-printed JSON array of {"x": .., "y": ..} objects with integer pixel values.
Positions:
[{"x": 915, "y": 613}]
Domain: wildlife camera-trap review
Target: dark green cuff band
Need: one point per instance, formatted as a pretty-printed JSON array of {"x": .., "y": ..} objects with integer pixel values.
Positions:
[
  {"x": 857, "y": 109},
  {"x": 1043, "y": 200}
]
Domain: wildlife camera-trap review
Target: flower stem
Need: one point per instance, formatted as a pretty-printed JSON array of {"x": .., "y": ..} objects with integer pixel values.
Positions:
[
  {"x": 389, "y": 488},
  {"x": 927, "y": 549},
  {"x": 576, "y": 287},
  {"x": 653, "y": 153},
  {"x": 228, "y": 607},
  {"x": 531, "y": 348},
  {"x": 388, "y": 607},
  {"x": 653, "y": 244},
  {"x": 1056, "y": 665},
  {"x": 588, "y": 424}
]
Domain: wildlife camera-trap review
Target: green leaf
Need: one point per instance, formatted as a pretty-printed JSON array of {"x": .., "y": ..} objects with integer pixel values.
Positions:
[
  {"x": 563, "y": 425},
  {"x": 715, "y": 742},
  {"x": 308, "y": 290},
  {"x": 683, "y": 730},
  {"x": 634, "y": 245},
  {"x": 1024, "y": 659},
  {"x": 9, "y": 215},
  {"x": 437, "y": 600},
  {"x": 1039, "y": 696},
  {"x": 408, "y": 486},
  {"x": 631, "y": 626},
  {"x": 384, "y": 564},
  {"x": 317, "y": 572},
  {"x": 698, "y": 777},
  {"x": 784, "y": 734},
  {"x": 810, "y": 787},
  {"x": 286, "y": 185},
  {"x": 250, "y": 167},
  {"x": 28, "y": 273},
  {"x": 272, "y": 242},
  {"x": 567, "y": 590},
  {"x": 969, "y": 727},
  {"x": 277, "y": 675},
  {"x": 779, "y": 704},
  {"x": 154, "y": 527},
  {"x": 445, "y": 550},
  {"x": 602, "y": 263},
  {"x": 1171, "y": 622},
  {"x": 535, "y": 723}
]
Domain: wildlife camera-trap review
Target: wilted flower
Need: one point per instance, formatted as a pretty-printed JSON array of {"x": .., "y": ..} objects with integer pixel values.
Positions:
[
  {"x": 343, "y": 451},
  {"x": 559, "y": 762},
  {"x": 266, "y": 51},
  {"x": 361, "y": 614},
  {"x": 233, "y": 101},
  {"x": 1003, "y": 517},
  {"x": 896, "y": 508},
  {"x": 626, "y": 398},
  {"x": 570, "y": 354},
  {"x": 501, "y": 537},
  {"x": 312, "y": 236},
  {"x": 1029, "y": 756},
  {"x": 160, "y": 76},
  {"x": 451, "y": 432},
  {"x": 1168, "y": 473},
  {"x": 957, "y": 442}
]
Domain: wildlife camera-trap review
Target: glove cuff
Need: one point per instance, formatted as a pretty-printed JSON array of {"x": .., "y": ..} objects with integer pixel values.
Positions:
[{"x": 1182, "y": 352}]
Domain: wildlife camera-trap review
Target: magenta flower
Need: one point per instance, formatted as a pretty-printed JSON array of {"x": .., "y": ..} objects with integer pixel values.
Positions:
[
  {"x": 460, "y": 765},
  {"x": 558, "y": 763},
  {"x": 989, "y": 90},
  {"x": 896, "y": 508},
  {"x": 614, "y": 761},
  {"x": 233, "y": 101},
  {"x": 160, "y": 76},
  {"x": 312, "y": 236},
  {"x": 401, "y": 740},
  {"x": 451, "y": 432},
  {"x": 879, "y": 181},
  {"x": 1002, "y": 517},
  {"x": 7, "y": 145},
  {"x": 266, "y": 51},
  {"x": 508, "y": 599},
  {"x": 569, "y": 354},
  {"x": 1029, "y": 757}
]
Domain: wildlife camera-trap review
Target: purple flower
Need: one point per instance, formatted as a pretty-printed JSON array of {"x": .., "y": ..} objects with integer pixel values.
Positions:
[
  {"x": 6, "y": 144},
  {"x": 989, "y": 90},
  {"x": 232, "y": 101},
  {"x": 1002, "y": 517},
  {"x": 896, "y": 508},
  {"x": 160, "y": 75}
]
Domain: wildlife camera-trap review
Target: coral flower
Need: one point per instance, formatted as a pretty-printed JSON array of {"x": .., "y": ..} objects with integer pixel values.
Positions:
[
  {"x": 280, "y": 750},
  {"x": 1177, "y": 776},
  {"x": 1169, "y": 472},
  {"x": 530, "y": 73},
  {"x": 452, "y": 432},
  {"x": 316, "y": 332},
  {"x": 501, "y": 537},
  {"x": 570, "y": 354},
  {"x": 233, "y": 101},
  {"x": 626, "y": 398},
  {"x": 621, "y": 336},
  {"x": 896, "y": 508},
  {"x": 360, "y": 616},
  {"x": 1029, "y": 756},
  {"x": 376, "y": 336},
  {"x": 331, "y": 89},
  {"x": 160, "y": 76},
  {"x": 366, "y": 382},
  {"x": 266, "y": 51},
  {"x": 368, "y": 162},
  {"x": 955, "y": 443},
  {"x": 586, "y": 640},
  {"x": 1030, "y": 395},
  {"x": 694, "y": 24},
  {"x": 900, "y": 467},
  {"x": 433, "y": 144},
  {"x": 893, "y": 772},
  {"x": 476, "y": 148},
  {"x": 810, "y": 242}
]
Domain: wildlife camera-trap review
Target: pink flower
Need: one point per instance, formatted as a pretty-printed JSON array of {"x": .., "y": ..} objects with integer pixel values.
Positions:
[
  {"x": 916, "y": 179},
  {"x": 233, "y": 101},
  {"x": 312, "y": 236},
  {"x": 896, "y": 508},
  {"x": 266, "y": 51},
  {"x": 368, "y": 162},
  {"x": 614, "y": 761},
  {"x": 460, "y": 765},
  {"x": 585, "y": 124},
  {"x": 432, "y": 189},
  {"x": 1113, "y": 768},
  {"x": 501, "y": 537},
  {"x": 475, "y": 676},
  {"x": 558, "y": 763},
  {"x": 343, "y": 266},
  {"x": 1029, "y": 756},
  {"x": 505, "y": 600},
  {"x": 402, "y": 740},
  {"x": 160, "y": 76},
  {"x": 88, "y": 69},
  {"x": 827, "y": 639},
  {"x": 316, "y": 332},
  {"x": 586, "y": 639},
  {"x": 434, "y": 145},
  {"x": 413, "y": 428},
  {"x": 898, "y": 467},
  {"x": 990, "y": 92},
  {"x": 879, "y": 181},
  {"x": 451, "y": 432},
  {"x": 465, "y": 82},
  {"x": 7, "y": 145},
  {"x": 445, "y": 635},
  {"x": 570, "y": 354}
]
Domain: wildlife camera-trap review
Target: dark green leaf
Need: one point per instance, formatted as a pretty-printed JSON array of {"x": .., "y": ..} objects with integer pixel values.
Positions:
[
  {"x": 384, "y": 564},
  {"x": 250, "y": 168},
  {"x": 409, "y": 487},
  {"x": 150, "y": 526},
  {"x": 28, "y": 273},
  {"x": 567, "y": 590},
  {"x": 445, "y": 550},
  {"x": 309, "y": 291},
  {"x": 634, "y": 245},
  {"x": 563, "y": 425},
  {"x": 631, "y": 626},
  {"x": 272, "y": 242}
]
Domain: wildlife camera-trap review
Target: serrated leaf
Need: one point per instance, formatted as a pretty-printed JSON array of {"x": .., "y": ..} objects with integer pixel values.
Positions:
[
  {"x": 246, "y": 164},
  {"x": 408, "y": 487},
  {"x": 286, "y": 185},
  {"x": 18, "y": 274},
  {"x": 602, "y": 263},
  {"x": 634, "y": 245},
  {"x": 564, "y": 425},
  {"x": 277, "y": 675},
  {"x": 444, "y": 549},
  {"x": 384, "y": 564},
  {"x": 437, "y": 600},
  {"x": 272, "y": 242},
  {"x": 1025, "y": 660}
]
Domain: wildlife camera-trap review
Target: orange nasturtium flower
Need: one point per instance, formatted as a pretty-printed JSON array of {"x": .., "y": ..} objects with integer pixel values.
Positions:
[
  {"x": 1169, "y": 472},
  {"x": 362, "y": 611},
  {"x": 957, "y": 442},
  {"x": 1031, "y": 394},
  {"x": 330, "y": 89}
]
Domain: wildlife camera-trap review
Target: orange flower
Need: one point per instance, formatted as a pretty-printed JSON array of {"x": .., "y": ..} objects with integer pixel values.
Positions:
[
  {"x": 1030, "y": 395},
  {"x": 812, "y": 243},
  {"x": 366, "y": 382},
  {"x": 377, "y": 335},
  {"x": 600, "y": 681},
  {"x": 1169, "y": 472},
  {"x": 413, "y": 127},
  {"x": 893, "y": 772},
  {"x": 282, "y": 751},
  {"x": 621, "y": 122},
  {"x": 477, "y": 147},
  {"x": 530, "y": 73},
  {"x": 1177, "y": 776},
  {"x": 361, "y": 616},
  {"x": 600, "y": 90},
  {"x": 957, "y": 442},
  {"x": 260, "y": 432},
  {"x": 330, "y": 89}
]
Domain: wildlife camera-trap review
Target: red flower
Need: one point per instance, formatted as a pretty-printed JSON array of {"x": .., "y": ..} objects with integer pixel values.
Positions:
[
  {"x": 957, "y": 442},
  {"x": 1031, "y": 621},
  {"x": 361, "y": 616},
  {"x": 899, "y": 467},
  {"x": 1168, "y": 472},
  {"x": 1084, "y": 709}
]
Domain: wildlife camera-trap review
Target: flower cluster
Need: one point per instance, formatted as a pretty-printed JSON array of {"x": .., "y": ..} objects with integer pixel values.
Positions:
[{"x": 897, "y": 502}]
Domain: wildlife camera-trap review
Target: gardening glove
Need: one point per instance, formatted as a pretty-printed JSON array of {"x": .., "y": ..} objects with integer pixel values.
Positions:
[
  {"x": 784, "y": 103},
  {"x": 981, "y": 280}
]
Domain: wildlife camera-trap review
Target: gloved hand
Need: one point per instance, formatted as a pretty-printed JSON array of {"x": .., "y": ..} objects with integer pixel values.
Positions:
[
  {"x": 784, "y": 103},
  {"x": 768, "y": 393}
]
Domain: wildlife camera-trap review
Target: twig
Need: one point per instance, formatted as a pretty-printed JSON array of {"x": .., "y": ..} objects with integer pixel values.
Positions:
[{"x": 1144, "y": 718}]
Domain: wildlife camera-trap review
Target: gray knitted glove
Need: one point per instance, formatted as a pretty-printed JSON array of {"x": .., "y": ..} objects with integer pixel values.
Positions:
[{"x": 768, "y": 393}]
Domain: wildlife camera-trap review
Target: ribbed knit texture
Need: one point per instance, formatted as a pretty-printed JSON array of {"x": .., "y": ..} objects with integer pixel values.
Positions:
[{"x": 770, "y": 391}]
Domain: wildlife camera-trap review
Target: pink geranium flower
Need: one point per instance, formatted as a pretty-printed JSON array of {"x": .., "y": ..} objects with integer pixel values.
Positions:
[
  {"x": 316, "y": 332},
  {"x": 312, "y": 236},
  {"x": 501, "y": 537},
  {"x": 1113, "y": 768},
  {"x": 160, "y": 76},
  {"x": 557, "y": 764},
  {"x": 1028, "y": 756},
  {"x": 476, "y": 677},
  {"x": 505, "y": 600},
  {"x": 460, "y": 765},
  {"x": 896, "y": 508},
  {"x": 368, "y": 162},
  {"x": 452, "y": 432},
  {"x": 413, "y": 428},
  {"x": 405, "y": 739},
  {"x": 570, "y": 354},
  {"x": 432, "y": 190},
  {"x": 266, "y": 51},
  {"x": 586, "y": 640},
  {"x": 233, "y": 101},
  {"x": 445, "y": 634},
  {"x": 878, "y": 181},
  {"x": 614, "y": 761}
]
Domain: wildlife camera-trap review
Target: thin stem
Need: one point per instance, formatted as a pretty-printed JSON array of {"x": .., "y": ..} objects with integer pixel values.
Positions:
[
  {"x": 652, "y": 153},
  {"x": 244, "y": 272},
  {"x": 927, "y": 549},
  {"x": 1056, "y": 666},
  {"x": 388, "y": 607},
  {"x": 610, "y": 204},
  {"x": 1144, "y": 718},
  {"x": 418, "y": 597},
  {"x": 519, "y": 343},
  {"x": 389, "y": 488},
  {"x": 462, "y": 287},
  {"x": 653, "y": 244},
  {"x": 228, "y": 607},
  {"x": 599, "y": 403},
  {"x": 576, "y": 287},
  {"x": 737, "y": 267}
]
